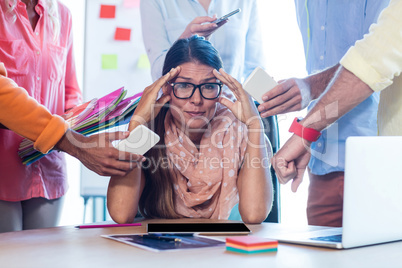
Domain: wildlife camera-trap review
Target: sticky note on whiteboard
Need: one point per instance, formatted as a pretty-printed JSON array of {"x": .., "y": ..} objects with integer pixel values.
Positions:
[
  {"x": 122, "y": 34},
  {"x": 109, "y": 62},
  {"x": 107, "y": 12},
  {"x": 143, "y": 62},
  {"x": 131, "y": 3}
]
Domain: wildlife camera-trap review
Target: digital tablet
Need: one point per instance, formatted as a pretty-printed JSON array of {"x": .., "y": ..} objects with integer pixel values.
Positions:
[{"x": 199, "y": 228}]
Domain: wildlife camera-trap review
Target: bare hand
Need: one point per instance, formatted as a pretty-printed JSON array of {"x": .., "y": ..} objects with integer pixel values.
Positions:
[
  {"x": 286, "y": 97},
  {"x": 202, "y": 26},
  {"x": 149, "y": 107},
  {"x": 243, "y": 108},
  {"x": 97, "y": 152},
  {"x": 291, "y": 161}
]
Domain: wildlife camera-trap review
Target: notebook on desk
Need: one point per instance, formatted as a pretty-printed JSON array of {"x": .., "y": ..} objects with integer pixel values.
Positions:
[{"x": 372, "y": 208}]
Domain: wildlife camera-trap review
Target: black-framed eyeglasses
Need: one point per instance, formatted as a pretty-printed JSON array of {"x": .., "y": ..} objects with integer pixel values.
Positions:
[{"x": 184, "y": 90}]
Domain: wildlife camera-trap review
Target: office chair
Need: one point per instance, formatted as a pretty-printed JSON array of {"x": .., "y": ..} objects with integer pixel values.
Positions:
[{"x": 272, "y": 132}]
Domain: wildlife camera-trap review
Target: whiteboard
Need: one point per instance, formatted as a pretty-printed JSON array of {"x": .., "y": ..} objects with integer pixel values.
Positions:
[{"x": 98, "y": 81}]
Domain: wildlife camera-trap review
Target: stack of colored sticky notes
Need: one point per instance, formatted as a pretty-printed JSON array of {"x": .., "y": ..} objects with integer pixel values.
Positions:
[{"x": 250, "y": 244}]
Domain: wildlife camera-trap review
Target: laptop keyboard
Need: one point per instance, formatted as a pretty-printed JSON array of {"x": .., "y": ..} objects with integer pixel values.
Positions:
[{"x": 330, "y": 238}]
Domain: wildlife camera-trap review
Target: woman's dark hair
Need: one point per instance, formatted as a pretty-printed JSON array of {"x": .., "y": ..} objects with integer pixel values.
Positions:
[
  {"x": 193, "y": 49},
  {"x": 157, "y": 199}
]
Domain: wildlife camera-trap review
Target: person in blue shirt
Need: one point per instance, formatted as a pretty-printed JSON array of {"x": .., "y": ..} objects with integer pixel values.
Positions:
[
  {"x": 329, "y": 28},
  {"x": 239, "y": 41}
]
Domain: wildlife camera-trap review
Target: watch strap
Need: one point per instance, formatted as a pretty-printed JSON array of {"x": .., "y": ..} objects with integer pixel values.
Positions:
[{"x": 306, "y": 133}]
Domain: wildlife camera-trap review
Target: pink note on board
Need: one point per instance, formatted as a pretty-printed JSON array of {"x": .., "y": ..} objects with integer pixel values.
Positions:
[
  {"x": 122, "y": 34},
  {"x": 131, "y": 3},
  {"x": 107, "y": 12}
]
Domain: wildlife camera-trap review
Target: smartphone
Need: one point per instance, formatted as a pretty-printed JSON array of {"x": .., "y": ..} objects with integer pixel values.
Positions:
[
  {"x": 140, "y": 140},
  {"x": 226, "y": 16},
  {"x": 258, "y": 83},
  {"x": 199, "y": 228}
]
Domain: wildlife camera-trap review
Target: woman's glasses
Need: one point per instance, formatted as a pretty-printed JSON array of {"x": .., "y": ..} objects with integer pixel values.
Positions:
[{"x": 209, "y": 91}]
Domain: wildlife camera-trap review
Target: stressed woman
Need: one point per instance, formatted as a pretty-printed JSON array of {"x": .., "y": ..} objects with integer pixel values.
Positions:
[{"x": 212, "y": 154}]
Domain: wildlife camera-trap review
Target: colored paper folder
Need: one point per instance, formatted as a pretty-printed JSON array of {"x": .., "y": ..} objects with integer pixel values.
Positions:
[{"x": 91, "y": 117}]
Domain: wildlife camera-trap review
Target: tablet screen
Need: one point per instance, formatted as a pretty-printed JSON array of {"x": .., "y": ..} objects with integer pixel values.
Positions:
[{"x": 202, "y": 228}]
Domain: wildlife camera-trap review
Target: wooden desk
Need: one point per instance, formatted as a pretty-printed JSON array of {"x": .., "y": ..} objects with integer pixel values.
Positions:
[{"x": 72, "y": 248}]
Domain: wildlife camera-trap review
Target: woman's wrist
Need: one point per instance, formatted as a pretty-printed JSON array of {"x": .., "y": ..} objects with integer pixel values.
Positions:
[
  {"x": 136, "y": 121},
  {"x": 254, "y": 123}
]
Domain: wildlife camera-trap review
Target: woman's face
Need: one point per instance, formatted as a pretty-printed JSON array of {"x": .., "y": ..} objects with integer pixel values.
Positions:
[{"x": 195, "y": 112}]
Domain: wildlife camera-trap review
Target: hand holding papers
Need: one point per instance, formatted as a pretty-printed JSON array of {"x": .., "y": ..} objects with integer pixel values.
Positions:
[{"x": 89, "y": 118}]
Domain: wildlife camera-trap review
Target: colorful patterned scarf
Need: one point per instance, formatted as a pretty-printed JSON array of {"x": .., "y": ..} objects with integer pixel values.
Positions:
[{"x": 206, "y": 177}]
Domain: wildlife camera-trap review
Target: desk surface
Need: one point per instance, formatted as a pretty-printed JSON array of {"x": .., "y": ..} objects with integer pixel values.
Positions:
[{"x": 71, "y": 247}]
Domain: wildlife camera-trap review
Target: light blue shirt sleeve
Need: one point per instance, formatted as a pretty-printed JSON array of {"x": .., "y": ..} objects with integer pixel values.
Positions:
[
  {"x": 329, "y": 28},
  {"x": 154, "y": 34},
  {"x": 254, "y": 45},
  {"x": 239, "y": 41}
]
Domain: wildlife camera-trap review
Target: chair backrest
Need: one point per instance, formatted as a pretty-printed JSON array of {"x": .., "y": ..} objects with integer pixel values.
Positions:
[{"x": 272, "y": 132}]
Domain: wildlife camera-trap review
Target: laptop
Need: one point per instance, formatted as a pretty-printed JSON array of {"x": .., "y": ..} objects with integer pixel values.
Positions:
[{"x": 372, "y": 197}]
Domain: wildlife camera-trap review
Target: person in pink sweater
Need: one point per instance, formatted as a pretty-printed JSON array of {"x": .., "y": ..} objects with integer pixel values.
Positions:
[{"x": 36, "y": 48}]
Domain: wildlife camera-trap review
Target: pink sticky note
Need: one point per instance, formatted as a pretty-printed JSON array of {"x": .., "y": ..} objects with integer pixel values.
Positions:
[
  {"x": 107, "y": 12},
  {"x": 122, "y": 34},
  {"x": 132, "y": 3}
]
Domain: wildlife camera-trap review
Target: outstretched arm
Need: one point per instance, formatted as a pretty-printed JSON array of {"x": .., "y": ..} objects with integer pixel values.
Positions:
[
  {"x": 295, "y": 94},
  {"x": 370, "y": 65},
  {"x": 155, "y": 33},
  {"x": 97, "y": 153},
  {"x": 344, "y": 93}
]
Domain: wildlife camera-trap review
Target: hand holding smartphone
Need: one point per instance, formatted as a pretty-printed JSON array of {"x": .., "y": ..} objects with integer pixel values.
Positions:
[
  {"x": 258, "y": 83},
  {"x": 140, "y": 140},
  {"x": 225, "y": 17}
]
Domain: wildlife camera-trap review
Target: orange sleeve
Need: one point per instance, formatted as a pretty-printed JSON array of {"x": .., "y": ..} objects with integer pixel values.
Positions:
[{"x": 26, "y": 117}]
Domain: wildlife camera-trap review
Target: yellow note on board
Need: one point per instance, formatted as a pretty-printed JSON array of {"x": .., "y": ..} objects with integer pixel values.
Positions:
[
  {"x": 143, "y": 62},
  {"x": 109, "y": 62}
]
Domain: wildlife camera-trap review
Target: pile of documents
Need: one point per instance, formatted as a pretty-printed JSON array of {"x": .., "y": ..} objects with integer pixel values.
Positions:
[
  {"x": 250, "y": 244},
  {"x": 91, "y": 117}
]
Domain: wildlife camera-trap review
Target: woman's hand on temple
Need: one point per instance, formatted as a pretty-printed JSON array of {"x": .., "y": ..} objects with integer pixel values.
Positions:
[
  {"x": 243, "y": 108},
  {"x": 149, "y": 106}
]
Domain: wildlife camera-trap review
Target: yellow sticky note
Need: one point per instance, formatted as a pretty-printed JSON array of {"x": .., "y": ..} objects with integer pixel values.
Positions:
[
  {"x": 143, "y": 62},
  {"x": 109, "y": 62}
]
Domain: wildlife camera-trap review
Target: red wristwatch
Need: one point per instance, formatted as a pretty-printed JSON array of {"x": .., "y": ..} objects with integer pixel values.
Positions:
[{"x": 306, "y": 133}]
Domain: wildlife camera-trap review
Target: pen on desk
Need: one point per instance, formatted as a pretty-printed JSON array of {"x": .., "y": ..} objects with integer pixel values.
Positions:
[
  {"x": 107, "y": 225},
  {"x": 161, "y": 238}
]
